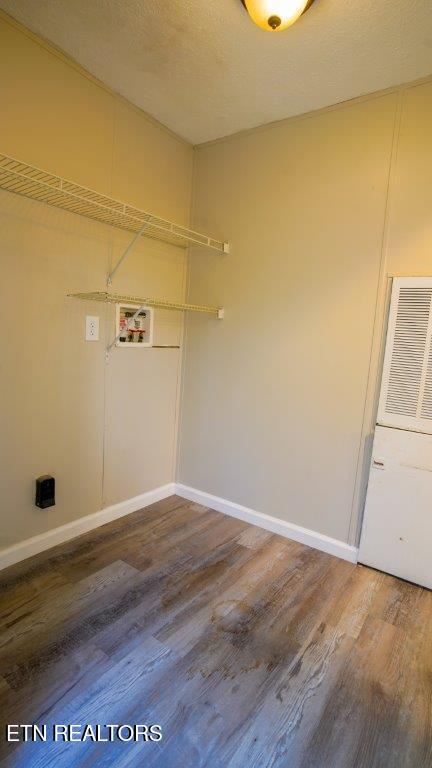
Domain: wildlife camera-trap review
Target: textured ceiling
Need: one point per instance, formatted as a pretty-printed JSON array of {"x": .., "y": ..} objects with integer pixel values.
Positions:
[{"x": 203, "y": 69}]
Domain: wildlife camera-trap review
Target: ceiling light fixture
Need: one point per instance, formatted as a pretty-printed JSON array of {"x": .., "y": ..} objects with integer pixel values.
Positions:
[{"x": 276, "y": 15}]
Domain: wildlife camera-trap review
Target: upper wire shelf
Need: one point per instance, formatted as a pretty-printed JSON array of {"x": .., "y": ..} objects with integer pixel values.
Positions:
[{"x": 32, "y": 182}]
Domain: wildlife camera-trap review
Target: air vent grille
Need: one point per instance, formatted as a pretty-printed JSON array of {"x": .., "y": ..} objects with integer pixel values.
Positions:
[
  {"x": 426, "y": 406},
  {"x": 408, "y": 351},
  {"x": 406, "y": 390}
]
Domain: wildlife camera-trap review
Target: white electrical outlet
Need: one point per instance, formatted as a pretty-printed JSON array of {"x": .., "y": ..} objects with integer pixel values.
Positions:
[{"x": 92, "y": 328}]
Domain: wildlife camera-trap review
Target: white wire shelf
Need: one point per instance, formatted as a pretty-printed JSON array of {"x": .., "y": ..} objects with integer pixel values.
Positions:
[
  {"x": 117, "y": 298},
  {"x": 32, "y": 182}
]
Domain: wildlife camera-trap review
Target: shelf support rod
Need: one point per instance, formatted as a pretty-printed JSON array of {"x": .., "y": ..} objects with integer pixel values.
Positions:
[
  {"x": 127, "y": 252},
  {"x": 124, "y": 330}
]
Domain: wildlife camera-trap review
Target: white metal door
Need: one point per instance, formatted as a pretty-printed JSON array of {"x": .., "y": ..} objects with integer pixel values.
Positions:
[{"x": 397, "y": 526}]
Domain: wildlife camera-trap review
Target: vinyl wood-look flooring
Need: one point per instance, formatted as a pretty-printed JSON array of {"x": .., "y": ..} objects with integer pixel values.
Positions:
[{"x": 248, "y": 649}]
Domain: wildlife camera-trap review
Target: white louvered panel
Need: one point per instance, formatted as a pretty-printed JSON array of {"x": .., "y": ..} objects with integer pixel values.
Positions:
[
  {"x": 408, "y": 351},
  {"x": 406, "y": 388},
  {"x": 426, "y": 404}
]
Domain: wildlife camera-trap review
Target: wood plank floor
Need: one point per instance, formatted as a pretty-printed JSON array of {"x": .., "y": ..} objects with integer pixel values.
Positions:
[{"x": 248, "y": 649}]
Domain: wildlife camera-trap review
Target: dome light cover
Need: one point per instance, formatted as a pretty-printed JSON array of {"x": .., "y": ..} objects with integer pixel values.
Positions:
[{"x": 275, "y": 15}]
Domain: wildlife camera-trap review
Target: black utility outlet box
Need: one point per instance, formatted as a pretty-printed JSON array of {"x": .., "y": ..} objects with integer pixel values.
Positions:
[{"x": 45, "y": 491}]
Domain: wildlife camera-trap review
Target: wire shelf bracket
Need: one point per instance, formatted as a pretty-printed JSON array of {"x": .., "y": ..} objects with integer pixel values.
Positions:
[{"x": 125, "y": 254}]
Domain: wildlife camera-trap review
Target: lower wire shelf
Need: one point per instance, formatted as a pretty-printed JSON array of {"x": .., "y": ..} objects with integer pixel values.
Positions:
[{"x": 117, "y": 298}]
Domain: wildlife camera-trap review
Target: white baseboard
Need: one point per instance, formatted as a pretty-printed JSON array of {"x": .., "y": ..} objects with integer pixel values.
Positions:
[
  {"x": 270, "y": 523},
  {"x": 63, "y": 533},
  {"x": 37, "y": 544}
]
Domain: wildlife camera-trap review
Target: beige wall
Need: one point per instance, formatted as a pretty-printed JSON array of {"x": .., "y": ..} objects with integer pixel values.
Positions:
[
  {"x": 106, "y": 432},
  {"x": 278, "y": 399}
]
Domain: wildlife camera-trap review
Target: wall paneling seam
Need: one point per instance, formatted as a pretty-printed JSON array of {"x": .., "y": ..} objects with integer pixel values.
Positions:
[{"x": 377, "y": 344}]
